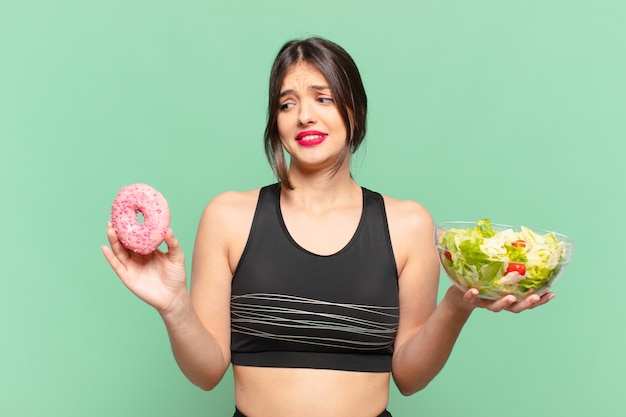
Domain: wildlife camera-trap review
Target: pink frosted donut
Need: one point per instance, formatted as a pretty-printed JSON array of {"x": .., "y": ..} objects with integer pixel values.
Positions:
[{"x": 145, "y": 236}]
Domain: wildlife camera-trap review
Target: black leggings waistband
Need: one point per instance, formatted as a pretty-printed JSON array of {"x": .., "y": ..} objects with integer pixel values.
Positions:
[{"x": 240, "y": 414}]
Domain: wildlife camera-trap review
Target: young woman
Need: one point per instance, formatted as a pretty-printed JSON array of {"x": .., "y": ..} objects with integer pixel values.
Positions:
[{"x": 317, "y": 290}]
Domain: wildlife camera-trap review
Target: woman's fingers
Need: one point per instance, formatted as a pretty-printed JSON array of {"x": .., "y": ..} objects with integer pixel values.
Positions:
[
  {"x": 114, "y": 261},
  {"x": 531, "y": 301},
  {"x": 116, "y": 246},
  {"x": 471, "y": 296},
  {"x": 508, "y": 302},
  {"x": 174, "y": 252},
  {"x": 503, "y": 303}
]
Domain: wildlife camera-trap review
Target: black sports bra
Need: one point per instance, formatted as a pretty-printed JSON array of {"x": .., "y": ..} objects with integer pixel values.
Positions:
[{"x": 296, "y": 309}]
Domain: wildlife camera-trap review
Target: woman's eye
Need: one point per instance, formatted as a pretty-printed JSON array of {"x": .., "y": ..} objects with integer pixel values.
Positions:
[
  {"x": 285, "y": 106},
  {"x": 326, "y": 100}
]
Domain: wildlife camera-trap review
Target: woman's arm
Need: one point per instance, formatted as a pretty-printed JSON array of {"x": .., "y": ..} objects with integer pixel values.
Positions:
[
  {"x": 427, "y": 332},
  {"x": 197, "y": 321}
]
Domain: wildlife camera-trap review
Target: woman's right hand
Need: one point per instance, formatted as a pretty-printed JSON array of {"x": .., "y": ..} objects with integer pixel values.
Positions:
[{"x": 158, "y": 278}]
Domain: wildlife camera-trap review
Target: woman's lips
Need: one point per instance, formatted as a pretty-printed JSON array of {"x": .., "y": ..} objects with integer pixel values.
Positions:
[{"x": 310, "y": 138}]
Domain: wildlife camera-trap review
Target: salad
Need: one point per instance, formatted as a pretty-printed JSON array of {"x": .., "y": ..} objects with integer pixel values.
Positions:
[{"x": 503, "y": 261}]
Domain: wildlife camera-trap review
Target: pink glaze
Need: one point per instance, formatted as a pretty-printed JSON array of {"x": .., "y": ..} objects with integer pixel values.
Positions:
[{"x": 144, "y": 237}]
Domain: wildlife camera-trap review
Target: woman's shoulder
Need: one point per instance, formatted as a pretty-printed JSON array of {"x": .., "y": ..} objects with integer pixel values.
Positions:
[
  {"x": 225, "y": 224},
  {"x": 234, "y": 198},
  {"x": 409, "y": 213},
  {"x": 411, "y": 228},
  {"x": 229, "y": 211},
  {"x": 231, "y": 205}
]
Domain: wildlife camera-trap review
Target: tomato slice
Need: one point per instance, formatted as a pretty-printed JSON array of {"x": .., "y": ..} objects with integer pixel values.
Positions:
[
  {"x": 448, "y": 255},
  {"x": 515, "y": 267},
  {"x": 519, "y": 243}
]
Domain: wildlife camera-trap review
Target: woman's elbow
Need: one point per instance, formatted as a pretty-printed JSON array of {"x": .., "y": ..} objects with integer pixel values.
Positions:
[
  {"x": 205, "y": 384},
  {"x": 408, "y": 388},
  {"x": 205, "y": 381}
]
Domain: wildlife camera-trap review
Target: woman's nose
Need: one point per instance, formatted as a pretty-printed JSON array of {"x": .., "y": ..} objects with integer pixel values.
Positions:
[{"x": 306, "y": 114}]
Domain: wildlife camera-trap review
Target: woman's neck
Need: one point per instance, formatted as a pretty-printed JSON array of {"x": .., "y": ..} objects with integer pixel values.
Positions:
[{"x": 321, "y": 190}]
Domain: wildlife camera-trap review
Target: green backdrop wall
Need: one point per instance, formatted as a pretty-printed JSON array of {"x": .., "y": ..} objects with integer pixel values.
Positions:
[{"x": 513, "y": 110}]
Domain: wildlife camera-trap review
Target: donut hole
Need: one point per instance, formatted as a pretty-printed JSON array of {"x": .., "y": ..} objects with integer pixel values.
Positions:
[{"x": 140, "y": 218}]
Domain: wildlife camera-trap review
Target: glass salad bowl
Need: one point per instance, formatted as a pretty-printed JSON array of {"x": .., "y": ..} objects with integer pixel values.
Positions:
[{"x": 500, "y": 259}]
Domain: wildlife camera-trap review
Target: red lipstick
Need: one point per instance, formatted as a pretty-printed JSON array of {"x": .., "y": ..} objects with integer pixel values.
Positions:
[{"x": 310, "y": 137}]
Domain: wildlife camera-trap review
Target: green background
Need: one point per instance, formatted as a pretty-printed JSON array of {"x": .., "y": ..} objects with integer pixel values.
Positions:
[{"x": 513, "y": 110}]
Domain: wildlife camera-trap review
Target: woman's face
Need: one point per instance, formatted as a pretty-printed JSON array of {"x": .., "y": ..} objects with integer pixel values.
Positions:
[{"x": 309, "y": 124}]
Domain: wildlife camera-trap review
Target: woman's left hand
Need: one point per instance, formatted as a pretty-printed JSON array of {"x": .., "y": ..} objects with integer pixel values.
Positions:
[{"x": 470, "y": 300}]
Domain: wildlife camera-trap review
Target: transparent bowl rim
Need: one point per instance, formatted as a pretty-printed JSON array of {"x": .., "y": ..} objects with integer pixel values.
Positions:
[{"x": 446, "y": 225}]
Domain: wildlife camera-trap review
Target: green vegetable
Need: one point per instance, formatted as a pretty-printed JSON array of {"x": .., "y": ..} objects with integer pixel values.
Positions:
[{"x": 479, "y": 257}]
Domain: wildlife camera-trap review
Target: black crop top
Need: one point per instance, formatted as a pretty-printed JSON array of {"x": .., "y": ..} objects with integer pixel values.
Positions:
[{"x": 292, "y": 308}]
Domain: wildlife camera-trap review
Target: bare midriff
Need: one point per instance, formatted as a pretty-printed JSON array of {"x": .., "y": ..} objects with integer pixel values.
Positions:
[{"x": 288, "y": 392}]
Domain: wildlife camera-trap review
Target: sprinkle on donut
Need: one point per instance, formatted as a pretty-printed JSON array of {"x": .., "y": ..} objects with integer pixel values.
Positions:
[{"x": 145, "y": 236}]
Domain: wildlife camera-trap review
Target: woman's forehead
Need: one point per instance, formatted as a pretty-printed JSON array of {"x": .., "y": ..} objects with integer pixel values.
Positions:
[{"x": 303, "y": 74}]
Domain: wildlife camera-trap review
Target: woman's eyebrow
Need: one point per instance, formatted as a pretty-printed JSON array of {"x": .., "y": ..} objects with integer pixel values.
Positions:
[
  {"x": 319, "y": 87},
  {"x": 311, "y": 87}
]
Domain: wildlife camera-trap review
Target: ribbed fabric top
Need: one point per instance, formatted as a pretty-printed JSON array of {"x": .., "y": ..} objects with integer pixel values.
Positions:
[{"x": 296, "y": 309}]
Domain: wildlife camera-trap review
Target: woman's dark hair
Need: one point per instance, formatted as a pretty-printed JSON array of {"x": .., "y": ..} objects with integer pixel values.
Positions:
[{"x": 345, "y": 84}]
